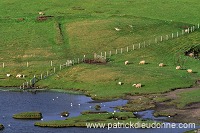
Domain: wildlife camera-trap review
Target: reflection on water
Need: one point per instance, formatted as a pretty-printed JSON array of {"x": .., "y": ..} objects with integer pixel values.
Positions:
[{"x": 51, "y": 104}]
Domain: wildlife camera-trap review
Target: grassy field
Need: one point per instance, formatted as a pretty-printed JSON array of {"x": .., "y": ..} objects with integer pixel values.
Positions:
[{"x": 77, "y": 28}]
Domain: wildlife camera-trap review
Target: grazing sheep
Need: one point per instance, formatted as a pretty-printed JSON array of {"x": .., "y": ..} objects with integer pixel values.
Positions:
[
  {"x": 189, "y": 70},
  {"x": 191, "y": 54},
  {"x": 130, "y": 26},
  {"x": 40, "y": 13},
  {"x": 117, "y": 29},
  {"x": 139, "y": 85},
  {"x": 178, "y": 67},
  {"x": 161, "y": 65},
  {"x": 126, "y": 62},
  {"x": 18, "y": 76},
  {"x": 8, "y": 75},
  {"x": 120, "y": 83},
  {"x": 186, "y": 30},
  {"x": 142, "y": 62}
]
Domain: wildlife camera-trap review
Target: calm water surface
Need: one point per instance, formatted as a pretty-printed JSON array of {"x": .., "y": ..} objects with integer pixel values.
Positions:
[{"x": 51, "y": 104}]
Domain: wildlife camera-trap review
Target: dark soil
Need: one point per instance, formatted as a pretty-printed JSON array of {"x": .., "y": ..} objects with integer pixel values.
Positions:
[
  {"x": 91, "y": 61},
  {"x": 43, "y": 18},
  {"x": 188, "y": 114}
]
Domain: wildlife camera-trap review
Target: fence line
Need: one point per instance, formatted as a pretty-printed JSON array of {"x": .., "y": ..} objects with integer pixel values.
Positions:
[{"x": 70, "y": 63}]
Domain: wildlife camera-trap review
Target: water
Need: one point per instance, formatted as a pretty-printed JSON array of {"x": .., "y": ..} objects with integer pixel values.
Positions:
[
  {"x": 51, "y": 104},
  {"x": 148, "y": 115}
]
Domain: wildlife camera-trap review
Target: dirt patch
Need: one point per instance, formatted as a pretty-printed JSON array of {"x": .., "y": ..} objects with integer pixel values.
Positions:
[
  {"x": 188, "y": 114},
  {"x": 43, "y": 18},
  {"x": 92, "y": 61}
]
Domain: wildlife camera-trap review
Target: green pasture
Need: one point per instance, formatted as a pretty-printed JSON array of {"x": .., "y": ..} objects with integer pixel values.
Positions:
[{"x": 84, "y": 27}]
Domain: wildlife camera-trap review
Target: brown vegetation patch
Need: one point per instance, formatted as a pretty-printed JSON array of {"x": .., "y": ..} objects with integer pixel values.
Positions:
[
  {"x": 92, "y": 61},
  {"x": 43, "y": 18},
  {"x": 20, "y": 19},
  {"x": 77, "y": 8},
  {"x": 188, "y": 114}
]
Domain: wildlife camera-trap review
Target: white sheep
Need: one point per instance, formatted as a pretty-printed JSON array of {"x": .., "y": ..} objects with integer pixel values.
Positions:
[
  {"x": 139, "y": 85},
  {"x": 130, "y": 26},
  {"x": 161, "y": 65},
  {"x": 186, "y": 30},
  {"x": 117, "y": 29},
  {"x": 189, "y": 70},
  {"x": 126, "y": 62},
  {"x": 178, "y": 67},
  {"x": 8, "y": 75},
  {"x": 142, "y": 62},
  {"x": 120, "y": 83},
  {"x": 18, "y": 76},
  {"x": 40, "y": 13},
  {"x": 191, "y": 54}
]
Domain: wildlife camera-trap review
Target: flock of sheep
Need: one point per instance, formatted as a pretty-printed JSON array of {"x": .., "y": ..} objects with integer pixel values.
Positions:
[
  {"x": 17, "y": 76},
  {"x": 139, "y": 85}
]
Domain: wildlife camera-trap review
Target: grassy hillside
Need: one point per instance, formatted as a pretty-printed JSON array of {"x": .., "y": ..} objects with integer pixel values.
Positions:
[
  {"x": 72, "y": 29},
  {"x": 179, "y": 10}
]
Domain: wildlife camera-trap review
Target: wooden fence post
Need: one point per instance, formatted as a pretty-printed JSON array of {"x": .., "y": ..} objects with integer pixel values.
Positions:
[
  {"x": 172, "y": 35},
  {"x": 54, "y": 70},
  {"x": 116, "y": 51},
  {"x": 133, "y": 47},
  {"x": 27, "y": 64},
  {"x": 51, "y": 63},
  {"x": 34, "y": 79},
  {"x": 121, "y": 50},
  {"x": 3, "y": 65},
  {"x": 167, "y": 37},
  {"x": 110, "y": 53},
  {"x": 101, "y": 54},
  {"x": 182, "y": 32},
  {"x": 139, "y": 45},
  {"x": 105, "y": 54},
  {"x": 161, "y": 39},
  {"x": 198, "y": 26},
  {"x": 188, "y": 30},
  {"x": 41, "y": 76},
  {"x": 127, "y": 49},
  {"x": 84, "y": 58},
  {"x": 177, "y": 34},
  {"x": 78, "y": 61},
  {"x": 47, "y": 73}
]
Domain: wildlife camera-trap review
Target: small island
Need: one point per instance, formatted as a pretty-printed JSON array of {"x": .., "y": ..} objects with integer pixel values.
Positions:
[
  {"x": 28, "y": 115},
  {"x": 1, "y": 127},
  {"x": 84, "y": 119}
]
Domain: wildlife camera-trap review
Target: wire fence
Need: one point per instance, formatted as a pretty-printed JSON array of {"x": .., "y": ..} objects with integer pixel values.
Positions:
[{"x": 54, "y": 68}]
